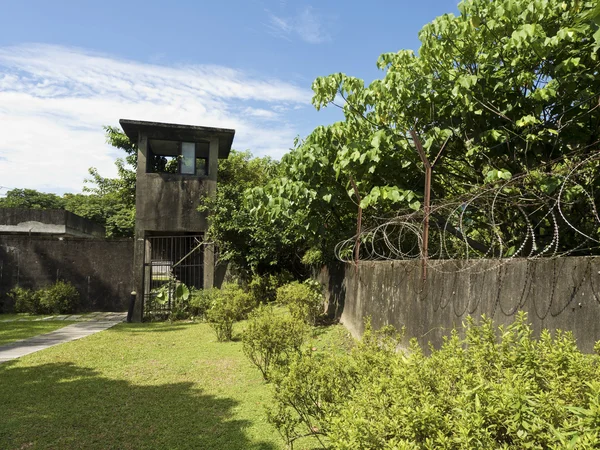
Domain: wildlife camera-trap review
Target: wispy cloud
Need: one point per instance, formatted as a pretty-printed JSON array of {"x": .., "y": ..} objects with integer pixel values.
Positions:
[
  {"x": 307, "y": 25},
  {"x": 54, "y": 101}
]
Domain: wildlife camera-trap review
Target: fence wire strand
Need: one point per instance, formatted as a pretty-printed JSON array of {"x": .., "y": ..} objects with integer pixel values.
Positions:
[{"x": 538, "y": 214}]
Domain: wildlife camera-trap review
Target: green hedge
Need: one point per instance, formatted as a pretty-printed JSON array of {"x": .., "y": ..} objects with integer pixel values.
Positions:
[
  {"x": 58, "y": 298},
  {"x": 490, "y": 389}
]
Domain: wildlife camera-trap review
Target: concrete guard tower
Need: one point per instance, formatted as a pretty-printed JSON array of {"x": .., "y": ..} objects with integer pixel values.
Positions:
[{"x": 177, "y": 168}]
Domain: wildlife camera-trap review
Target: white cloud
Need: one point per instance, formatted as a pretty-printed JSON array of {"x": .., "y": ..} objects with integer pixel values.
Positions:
[
  {"x": 307, "y": 25},
  {"x": 55, "y": 100}
]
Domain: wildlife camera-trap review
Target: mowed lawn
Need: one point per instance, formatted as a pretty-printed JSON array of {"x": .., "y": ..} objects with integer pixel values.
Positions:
[
  {"x": 15, "y": 331},
  {"x": 136, "y": 386}
]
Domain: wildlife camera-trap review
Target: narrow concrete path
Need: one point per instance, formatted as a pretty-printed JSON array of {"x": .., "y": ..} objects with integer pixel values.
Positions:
[{"x": 43, "y": 341}]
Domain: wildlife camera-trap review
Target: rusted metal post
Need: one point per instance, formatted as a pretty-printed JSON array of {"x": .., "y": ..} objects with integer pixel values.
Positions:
[
  {"x": 358, "y": 226},
  {"x": 427, "y": 200}
]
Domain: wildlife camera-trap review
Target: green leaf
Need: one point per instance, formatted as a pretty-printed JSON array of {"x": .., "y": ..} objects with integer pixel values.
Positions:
[
  {"x": 416, "y": 205},
  {"x": 527, "y": 120}
]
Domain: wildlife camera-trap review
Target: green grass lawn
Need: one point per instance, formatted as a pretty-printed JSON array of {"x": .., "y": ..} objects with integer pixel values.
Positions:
[
  {"x": 136, "y": 386},
  {"x": 23, "y": 316},
  {"x": 14, "y": 331}
]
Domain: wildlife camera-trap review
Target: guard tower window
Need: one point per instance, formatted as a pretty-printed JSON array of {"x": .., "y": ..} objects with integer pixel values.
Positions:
[
  {"x": 185, "y": 158},
  {"x": 188, "y": 154}
]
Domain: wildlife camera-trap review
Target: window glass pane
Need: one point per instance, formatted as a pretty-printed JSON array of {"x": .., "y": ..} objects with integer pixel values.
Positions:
[
  {"x": 188, "y": 157},
  {"x": 201, "y": 166}
]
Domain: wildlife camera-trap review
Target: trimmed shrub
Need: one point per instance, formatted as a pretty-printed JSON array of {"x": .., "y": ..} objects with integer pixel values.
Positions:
[
  {"x": 26, "y": 300},
  {"x": 491, "y": 389},
  {"x": 59, "y": 298},
  {"x": 200, "y": 301},
  {"x": 304, "y": 300},
  {"x": 309, "y": 395},
  {"x": 229, "y": 304},
  {"x": 271, "y": 340}
]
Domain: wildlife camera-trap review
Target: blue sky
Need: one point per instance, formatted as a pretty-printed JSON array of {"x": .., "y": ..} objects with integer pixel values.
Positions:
[{"x": 68, "y": 67}]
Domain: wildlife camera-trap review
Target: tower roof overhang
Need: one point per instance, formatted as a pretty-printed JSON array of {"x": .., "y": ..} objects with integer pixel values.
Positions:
[{"x": 178, "y": 132}]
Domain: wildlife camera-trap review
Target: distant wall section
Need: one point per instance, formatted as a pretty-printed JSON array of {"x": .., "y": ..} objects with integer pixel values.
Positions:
[{"x": 100, "y": 269}]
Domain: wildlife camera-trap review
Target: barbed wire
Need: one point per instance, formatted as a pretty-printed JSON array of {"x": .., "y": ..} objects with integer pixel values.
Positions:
[{"x": 543, "y": 213}]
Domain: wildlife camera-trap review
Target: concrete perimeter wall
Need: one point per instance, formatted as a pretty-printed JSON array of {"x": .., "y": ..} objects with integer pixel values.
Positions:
[
  {"x": 561, "y": 293},
  {"x": 100, "y": 269}
]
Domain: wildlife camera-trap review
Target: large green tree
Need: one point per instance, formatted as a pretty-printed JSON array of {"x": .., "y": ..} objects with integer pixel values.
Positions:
[
  {"x": 252, "y": 243},
  {"x": 504, "y": 88}
]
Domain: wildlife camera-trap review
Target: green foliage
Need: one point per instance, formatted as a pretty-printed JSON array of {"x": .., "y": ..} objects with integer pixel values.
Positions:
[
  {"x": 309, "y": 394},
  {"x": 504, "y": 87},
  {"x": 263, "y": 288},
  {"x": 25, "y": 300},
  {"x": 492, "y": 388},
  {"x": 304, "y": 300},
  {"x": 172, "y": 290},
  {"x": 200, "y": 301},
  {"x": 313, "y": 257},
  {"x": 180, "y": 296},
  {"x": 59, "y": 298},
  {"x": 271, "y": 340},
  {"x": 253, "y": 244},
  {"x": 229, "y": 304},
  {"x": 31, "y": 199}
]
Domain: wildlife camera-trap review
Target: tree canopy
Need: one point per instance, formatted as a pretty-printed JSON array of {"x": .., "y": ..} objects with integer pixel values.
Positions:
[
  {"x": 31, "y": 199},
  {"x": 506, "y": 87}
]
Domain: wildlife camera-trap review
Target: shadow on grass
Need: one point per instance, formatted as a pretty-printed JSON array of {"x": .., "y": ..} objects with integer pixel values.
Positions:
[{"x": 61, "y": 405}]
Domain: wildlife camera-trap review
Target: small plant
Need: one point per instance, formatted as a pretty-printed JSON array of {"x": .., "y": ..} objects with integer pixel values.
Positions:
[
  {"x": 180, "y": 303},
  {"x": 59, "y": 298},
  {"x": 26, "y": 300},
  {"x": 313, "y": 257},
  {"x": 304, "y": 300},
  {"x": 271, "y": 340},
  {"x": 221, "y": 317},
  {"x": 229, "y": 304},
  {"x": 175, "y": 292},
  {"x": 200, "y": 302}
]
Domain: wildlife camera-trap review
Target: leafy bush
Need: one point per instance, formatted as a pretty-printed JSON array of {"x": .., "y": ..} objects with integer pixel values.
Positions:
[
  {"x": 59, "y": 298},
  {"x": 487, "y": 390},
  {"x": 26, "y": 300},
  {"x": 271, "y": 340},
  {"x": 304, "y": 300},
  {"x": 170, "y": 301},
  {"x": 180, "y": 301},
  {"x": 313, "y": 257},
  {"x": 264, "y": 288},
  {"x": 310, "y": 394},
  {"x": 200, "y": 301},
  {"x": 229, "y": 304}
]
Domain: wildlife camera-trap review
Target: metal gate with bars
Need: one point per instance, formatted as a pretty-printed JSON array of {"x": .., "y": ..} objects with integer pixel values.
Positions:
[{"x": 169, "y": 262}]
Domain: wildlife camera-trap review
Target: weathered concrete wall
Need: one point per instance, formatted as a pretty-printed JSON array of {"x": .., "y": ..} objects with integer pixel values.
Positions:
[
  {"x": 100, "y": 269},
  {"x": 47, "y": 222},
  {"x": 561, "y": 293},
  {"x": 169, "y": 202}
]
